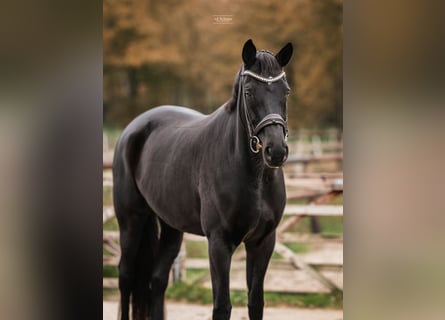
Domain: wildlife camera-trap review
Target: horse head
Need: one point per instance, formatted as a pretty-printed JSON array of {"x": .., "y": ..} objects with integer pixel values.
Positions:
[{"x": 262, "y": 101}]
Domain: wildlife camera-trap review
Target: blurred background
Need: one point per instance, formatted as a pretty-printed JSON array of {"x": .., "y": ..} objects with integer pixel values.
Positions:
[{"x": 188, "y": 53}]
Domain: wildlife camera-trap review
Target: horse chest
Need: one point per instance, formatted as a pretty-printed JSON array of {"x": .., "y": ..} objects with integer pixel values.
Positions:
[
  {"x": 259, "y": 222},
  {"x": 249, "y": 216},
  {"x": 245, "y": 207},
  {"x": 266, "y": 215}
]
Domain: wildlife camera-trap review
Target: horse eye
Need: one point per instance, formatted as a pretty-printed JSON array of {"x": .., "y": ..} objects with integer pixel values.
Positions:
[{"x": 247, "y": 94}]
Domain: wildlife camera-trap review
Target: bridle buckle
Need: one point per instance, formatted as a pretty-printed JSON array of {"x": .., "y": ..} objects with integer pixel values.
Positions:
[{"x": 255, "y": 144}]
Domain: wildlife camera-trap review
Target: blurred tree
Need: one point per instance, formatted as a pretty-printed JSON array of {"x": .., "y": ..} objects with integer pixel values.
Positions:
[{"x": 172, "y": 52}]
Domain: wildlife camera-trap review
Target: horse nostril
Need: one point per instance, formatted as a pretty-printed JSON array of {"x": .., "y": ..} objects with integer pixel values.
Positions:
[
  {"x": 285, "y": 153},
  {"x": 284, "y": 157}
]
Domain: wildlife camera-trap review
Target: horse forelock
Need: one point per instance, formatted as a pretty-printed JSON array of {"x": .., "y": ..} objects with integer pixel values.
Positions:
[{"x": 265, "y": 65}]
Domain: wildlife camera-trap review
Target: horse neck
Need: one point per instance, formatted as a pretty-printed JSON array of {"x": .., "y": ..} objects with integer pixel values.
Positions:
[{"x": 243, "y": 158}]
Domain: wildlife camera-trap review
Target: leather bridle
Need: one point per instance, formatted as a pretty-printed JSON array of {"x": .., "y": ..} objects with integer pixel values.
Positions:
[{"x": 255, "y": 144}]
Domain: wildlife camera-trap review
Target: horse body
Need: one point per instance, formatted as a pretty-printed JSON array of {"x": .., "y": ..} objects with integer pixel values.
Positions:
[
  {"x": 174, "y": 159},
  {"x": 184, "y": 134},
  {"x": 187, "y": 172}
]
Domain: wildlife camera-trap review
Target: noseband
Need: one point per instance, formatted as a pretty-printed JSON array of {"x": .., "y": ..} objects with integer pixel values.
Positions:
[{"x": 255, "y": 144}]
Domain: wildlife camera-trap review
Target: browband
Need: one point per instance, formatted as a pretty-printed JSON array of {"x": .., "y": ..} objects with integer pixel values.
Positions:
[{"x": 263, "y": 79}]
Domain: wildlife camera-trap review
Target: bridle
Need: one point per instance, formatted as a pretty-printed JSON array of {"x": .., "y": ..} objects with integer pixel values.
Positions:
[{"x": 255, "y": 144}]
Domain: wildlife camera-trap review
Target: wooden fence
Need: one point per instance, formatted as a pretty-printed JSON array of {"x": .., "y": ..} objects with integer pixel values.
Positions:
[
  {"x": 318, "y": 189},
  {"x": 296, "y": 214}
]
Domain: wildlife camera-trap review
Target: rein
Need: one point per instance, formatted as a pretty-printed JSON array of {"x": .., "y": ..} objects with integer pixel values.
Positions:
[{"x": 255, "y": 144}]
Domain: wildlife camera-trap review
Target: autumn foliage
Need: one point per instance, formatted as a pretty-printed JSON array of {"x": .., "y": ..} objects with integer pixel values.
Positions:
[{"x": 183, "y": 53}]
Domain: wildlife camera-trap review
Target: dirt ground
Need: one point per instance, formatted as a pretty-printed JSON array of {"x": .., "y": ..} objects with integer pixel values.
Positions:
[{"x": 177, "y": 311}]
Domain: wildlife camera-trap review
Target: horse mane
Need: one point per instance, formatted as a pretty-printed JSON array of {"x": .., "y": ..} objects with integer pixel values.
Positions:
[
  {"x": 230, "y": 105},
  {"x": 265, "y": 65}
]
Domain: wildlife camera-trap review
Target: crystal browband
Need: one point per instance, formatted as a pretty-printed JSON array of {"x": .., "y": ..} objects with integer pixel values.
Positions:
[{"x": 263, "y": 79}]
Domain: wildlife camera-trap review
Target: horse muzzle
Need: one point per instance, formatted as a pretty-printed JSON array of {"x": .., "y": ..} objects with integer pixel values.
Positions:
[{"x": 275, "y": 155}]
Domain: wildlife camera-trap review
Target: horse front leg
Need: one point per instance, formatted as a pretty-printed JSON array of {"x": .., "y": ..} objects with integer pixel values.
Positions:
[
  {"x": 220, "y": 255},
  {"x": 258, "y": 256}
]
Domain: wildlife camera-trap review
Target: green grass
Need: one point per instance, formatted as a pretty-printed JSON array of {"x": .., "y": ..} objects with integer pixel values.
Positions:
[
  {"x": 199, "y": 249},
  {"x": 181, "y": 291},
  {"x": 193, "y": 276},
  {"x": 110, "y": 272},
  {"x": 105, "y": 252},
  {"x": 297, "y": 247},
  {"x": 297, "y": 201},
  {"x": 308, "y": 300},
  {"x": 196, "y": 249},
  {"x": 338, "y": 200},
  {"x": 330, "y": 226},
  {"x": 276, "y": 256},
  {"x": 192, "y": 293},
  {"x": 110, "y": 294},
  {"x": 111, "y": 225},
  {"x": 107, "y": 196}
]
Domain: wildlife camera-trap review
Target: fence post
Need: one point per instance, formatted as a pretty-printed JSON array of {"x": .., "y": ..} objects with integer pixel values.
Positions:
[{"x": 178, "y": 268}]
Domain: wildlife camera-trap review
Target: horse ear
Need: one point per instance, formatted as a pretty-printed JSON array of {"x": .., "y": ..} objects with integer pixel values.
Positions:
[
  {"x": 285, "y": 54},
  {"x": 249, "y": 53}
]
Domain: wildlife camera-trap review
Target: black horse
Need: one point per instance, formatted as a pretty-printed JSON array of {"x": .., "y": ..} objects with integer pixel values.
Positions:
[{"x": 176, "y": 170}]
